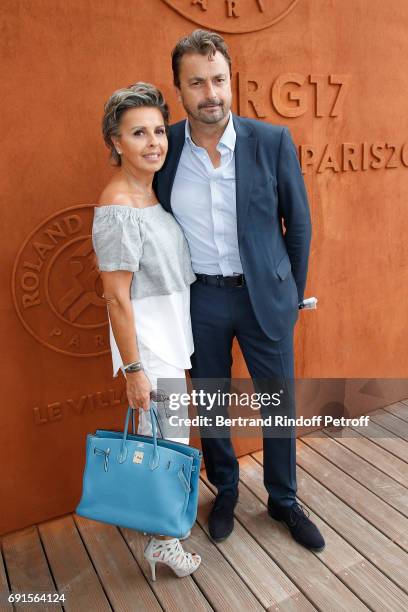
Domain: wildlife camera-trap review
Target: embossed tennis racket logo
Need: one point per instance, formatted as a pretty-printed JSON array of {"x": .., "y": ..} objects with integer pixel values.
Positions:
[
  {"x": 57, "y": 290},
  {"x": 234, "y": 16}
]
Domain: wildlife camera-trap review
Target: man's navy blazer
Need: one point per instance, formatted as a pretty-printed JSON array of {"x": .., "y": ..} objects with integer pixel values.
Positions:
[{"x": 269, "y": 190}]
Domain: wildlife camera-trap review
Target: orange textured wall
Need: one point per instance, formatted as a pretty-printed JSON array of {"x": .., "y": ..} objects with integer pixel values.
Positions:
[{"x": 336, "y": 73}]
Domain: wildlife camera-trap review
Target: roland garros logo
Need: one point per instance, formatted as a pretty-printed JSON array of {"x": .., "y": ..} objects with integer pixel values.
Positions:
[
  {"x": 234, "y": 16},
  {"x": 57, "y": 290}
]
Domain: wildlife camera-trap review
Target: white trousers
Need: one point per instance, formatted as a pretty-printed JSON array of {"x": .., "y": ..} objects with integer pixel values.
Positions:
[{"x": 157, "y": 371}]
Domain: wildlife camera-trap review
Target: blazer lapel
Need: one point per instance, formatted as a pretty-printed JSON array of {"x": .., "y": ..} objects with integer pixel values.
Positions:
[
  {"x": 176, "y": 143},
  {"x": 245, "y": 155}
]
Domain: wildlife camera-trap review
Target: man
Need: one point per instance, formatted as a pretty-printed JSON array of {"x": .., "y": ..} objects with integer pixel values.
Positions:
[{"x": 231, "y": 182}]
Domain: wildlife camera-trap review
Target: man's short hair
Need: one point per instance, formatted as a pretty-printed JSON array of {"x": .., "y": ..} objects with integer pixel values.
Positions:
[{"x": 199, "y": 41}]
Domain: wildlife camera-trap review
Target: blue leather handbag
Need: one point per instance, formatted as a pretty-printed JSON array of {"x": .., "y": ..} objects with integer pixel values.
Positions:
[{"x": 142, "y": 482}]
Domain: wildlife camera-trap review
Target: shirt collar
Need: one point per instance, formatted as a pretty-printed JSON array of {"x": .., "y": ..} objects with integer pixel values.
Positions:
[{"x": 228, "y": 138}]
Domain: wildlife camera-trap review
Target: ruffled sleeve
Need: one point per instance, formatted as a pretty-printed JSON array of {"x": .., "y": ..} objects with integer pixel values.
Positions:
[{"x": 117, "y": 238}]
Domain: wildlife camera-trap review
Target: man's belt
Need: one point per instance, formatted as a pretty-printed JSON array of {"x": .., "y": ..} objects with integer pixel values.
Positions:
[{"x": 218, "y": 280}]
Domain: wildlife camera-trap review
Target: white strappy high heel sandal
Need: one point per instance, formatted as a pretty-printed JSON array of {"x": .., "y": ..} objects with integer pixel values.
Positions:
[
  {"x": 184, "y": 537},
  {"x": 172, "y": 554}
]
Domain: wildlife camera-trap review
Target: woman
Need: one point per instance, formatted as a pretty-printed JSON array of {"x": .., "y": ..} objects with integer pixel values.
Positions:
[{"x": 146, "y": 272}]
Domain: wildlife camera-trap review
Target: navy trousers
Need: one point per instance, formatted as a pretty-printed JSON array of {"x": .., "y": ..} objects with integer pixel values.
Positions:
[{"x": 219, "y": 314}]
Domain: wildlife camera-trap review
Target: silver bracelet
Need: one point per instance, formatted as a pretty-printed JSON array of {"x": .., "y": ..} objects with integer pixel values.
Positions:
[{"x": 135, "y": 366}]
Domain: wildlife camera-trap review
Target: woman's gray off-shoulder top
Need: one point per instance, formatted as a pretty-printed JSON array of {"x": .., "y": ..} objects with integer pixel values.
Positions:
[{"x": 146, "y": 241}]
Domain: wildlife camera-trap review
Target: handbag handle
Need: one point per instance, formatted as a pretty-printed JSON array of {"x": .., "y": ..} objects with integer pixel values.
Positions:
[
  {"x": 154, "y": 459},
  {"x": 155, "y": 416}
]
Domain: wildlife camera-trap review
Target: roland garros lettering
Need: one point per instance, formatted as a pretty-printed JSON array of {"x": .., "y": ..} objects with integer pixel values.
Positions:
[
  {"x": 56, "y": 286},
  {"x": 57, "y": 231}
]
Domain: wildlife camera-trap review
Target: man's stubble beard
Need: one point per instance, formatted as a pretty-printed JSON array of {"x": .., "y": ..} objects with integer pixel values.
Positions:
[{"x": 204, "y": 118}]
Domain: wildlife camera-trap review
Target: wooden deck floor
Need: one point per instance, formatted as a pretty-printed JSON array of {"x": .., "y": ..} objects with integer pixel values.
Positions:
[{"x": 355, "y": 487}]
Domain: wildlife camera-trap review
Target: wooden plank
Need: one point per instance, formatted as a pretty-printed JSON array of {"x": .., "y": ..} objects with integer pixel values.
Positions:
[
  {"x": 171, "y": 592},
  {"x": 305, "y": 568},
  {"x": 366, "y": 539},
  {"x": 384, "y": 438},
  {"x": 256, "y": 568},
  {"x": 371, "y": 507},
  {"x": 371, "y": 452},
  {"x": 373, "y": 586},
  {"x": 4, "y": 587},
  {"x": 27, "y": 567},
  {"x": 293, "y": 604},
  {"x": 71, "y": 567},
  {"x": 117, "y": 569},
  {"x": 374, "y": 479},
  {"x": 219, "y": 582},
  {"x": 399, "y": 409},
  {"x": 365, "y": 580},
  {"x": 390, "y": 422}
]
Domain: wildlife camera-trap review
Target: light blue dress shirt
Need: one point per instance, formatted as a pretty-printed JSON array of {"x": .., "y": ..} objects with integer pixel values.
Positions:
[{"x": 203, "y": 201}]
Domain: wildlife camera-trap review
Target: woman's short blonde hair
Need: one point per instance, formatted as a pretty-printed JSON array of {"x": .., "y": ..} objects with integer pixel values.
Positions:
[{"x": 135, "y": 96}]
